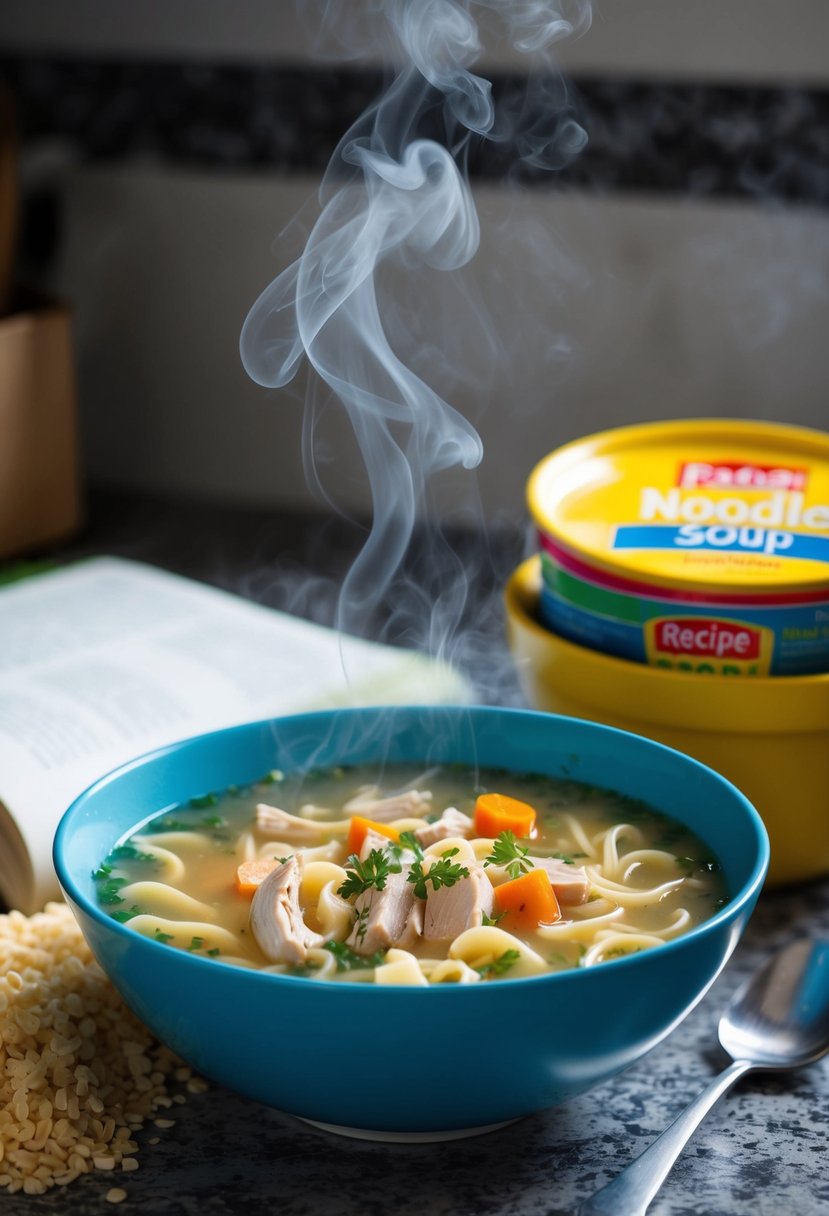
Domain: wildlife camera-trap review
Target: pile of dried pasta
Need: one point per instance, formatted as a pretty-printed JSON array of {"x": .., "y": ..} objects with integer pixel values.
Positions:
[{"x": 79, "y": 1073}]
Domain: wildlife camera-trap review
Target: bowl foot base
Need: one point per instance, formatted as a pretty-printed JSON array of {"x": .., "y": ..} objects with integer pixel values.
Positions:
[{"x": 363, "y": 1133}]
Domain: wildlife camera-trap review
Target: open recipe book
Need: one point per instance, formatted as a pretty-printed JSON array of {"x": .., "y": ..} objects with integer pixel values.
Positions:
[{"x": 106, "y": 659}]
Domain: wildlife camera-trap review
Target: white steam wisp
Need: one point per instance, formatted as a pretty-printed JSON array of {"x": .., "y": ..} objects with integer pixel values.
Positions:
[{"x": 394, "y": 195}]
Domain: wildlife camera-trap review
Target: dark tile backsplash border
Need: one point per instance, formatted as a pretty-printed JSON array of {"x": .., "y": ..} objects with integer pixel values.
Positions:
[{"x": 698, "y": 140}]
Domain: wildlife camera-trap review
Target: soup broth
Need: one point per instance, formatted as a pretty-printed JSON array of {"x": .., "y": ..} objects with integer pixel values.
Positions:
[{"x": 447, "y": 876}]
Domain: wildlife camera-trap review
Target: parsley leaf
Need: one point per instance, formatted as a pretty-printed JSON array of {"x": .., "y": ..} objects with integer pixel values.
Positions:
[
  {"x": 348, "y": 960},
  {"x": 129, "y": 852},
  {"x": 107, "y": 888},
  {"x": 499, "y": 965},
  {"x": 409, "y": 841},
  {"x": 203, "y": 800},
  {"x": 367, "y": 875},
  {"x": 442, "y": 873},
  {"x": 508, "y": 853}
]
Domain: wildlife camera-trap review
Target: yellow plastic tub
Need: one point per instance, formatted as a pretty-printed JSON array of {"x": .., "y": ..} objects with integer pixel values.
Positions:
[
  {"x": 769, "y": 735},
  {"x": 695, "y": 546}
]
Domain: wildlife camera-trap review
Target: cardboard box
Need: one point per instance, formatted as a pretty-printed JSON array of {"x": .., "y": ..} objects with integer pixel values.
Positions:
[{"x": 39, "y": 478}]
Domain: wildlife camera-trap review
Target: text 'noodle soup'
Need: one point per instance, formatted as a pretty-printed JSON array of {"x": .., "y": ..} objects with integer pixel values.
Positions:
[{"x": 449, "y": 876}]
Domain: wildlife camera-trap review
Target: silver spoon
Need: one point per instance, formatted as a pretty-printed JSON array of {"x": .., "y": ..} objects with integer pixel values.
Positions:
[{"x": 779, "y": 1019}]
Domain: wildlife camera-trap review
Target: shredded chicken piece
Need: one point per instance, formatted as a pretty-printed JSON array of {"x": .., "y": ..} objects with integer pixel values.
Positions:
[
  {"x": 451, "y": 910},
  {"x": 276, "y": 917},
  {"x": 388, "y": 913},
  {"x": 570, "y": 882},
  {"x": 451, "y": 823},
  {"x": 282, "y": 825},
  {"x": 396, "y": 806},
  {"x": 413, "y": 928}
]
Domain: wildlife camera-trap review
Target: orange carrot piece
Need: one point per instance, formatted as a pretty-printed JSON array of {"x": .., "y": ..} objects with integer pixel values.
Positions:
[
  {"x": 359, "y": 829},
  {"x": 527, "y": 901},
  {"x": 495, "y": 813},
  {"x": 251, "y": 873}
]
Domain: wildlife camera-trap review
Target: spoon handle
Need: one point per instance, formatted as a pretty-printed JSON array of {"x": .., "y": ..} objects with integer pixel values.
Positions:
[{"x": 631, "y": 1192}]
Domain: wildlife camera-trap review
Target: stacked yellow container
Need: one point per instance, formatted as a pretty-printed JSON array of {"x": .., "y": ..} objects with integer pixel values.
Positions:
[{"x": 682, "y": 592}]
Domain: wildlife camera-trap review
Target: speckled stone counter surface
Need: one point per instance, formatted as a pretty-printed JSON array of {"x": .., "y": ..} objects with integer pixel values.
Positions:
[{"x": 763, "y": 1149}]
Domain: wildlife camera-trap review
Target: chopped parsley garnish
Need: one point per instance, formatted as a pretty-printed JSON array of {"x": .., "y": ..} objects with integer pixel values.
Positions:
[
  {"x": 108, "y": 887},
  {"x": 169, "y": 825},
  {"x": 213, "y": 951},
  {"x": 348, "y": 960},
  {"x": 203, "y": 800},
  {"x": 569, "y": 859},
  {"x": 621, "y": 952},
  {"x": 367, "y": 875},
  {"x": 196, "y": 943},
  {"x": 122, "y": 916},
  {"x": 442, "y": 873},
  {"x": 690, "y": 865},
  {"x": 508, "y": 853},
  {"x": 499, "y": 965},
  {"x": 163, "y": 937},
  {"x": 129, "y": 852},
  {"x": 492, "y": 920},
  {"x": 409, "y": 841}
]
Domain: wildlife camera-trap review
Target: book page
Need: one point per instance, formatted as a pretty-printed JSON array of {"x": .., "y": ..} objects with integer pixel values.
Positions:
[{"x": 107, "y": 659}]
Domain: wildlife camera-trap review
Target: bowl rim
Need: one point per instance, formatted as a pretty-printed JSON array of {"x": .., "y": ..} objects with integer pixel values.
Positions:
[{"x": 746, "y": 894}]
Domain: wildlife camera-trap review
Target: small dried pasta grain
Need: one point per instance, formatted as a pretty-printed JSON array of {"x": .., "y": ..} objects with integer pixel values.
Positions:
[{"x": 79, "y": 1073}]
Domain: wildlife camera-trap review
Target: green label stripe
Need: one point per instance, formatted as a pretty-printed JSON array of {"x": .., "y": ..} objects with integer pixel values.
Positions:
[{"x": 586, "y": 596}]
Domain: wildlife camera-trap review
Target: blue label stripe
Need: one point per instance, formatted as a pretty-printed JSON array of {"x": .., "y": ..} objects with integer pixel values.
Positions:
[{"x": 745, "y": 538}]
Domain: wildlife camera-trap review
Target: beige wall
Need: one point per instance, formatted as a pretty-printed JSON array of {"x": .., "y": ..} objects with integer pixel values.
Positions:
[
  {"x": 638, "y": 309},
  {"x": 704, "y": 39}
]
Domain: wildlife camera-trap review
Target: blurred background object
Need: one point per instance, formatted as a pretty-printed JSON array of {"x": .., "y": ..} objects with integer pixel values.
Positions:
[
  {"x": 678, "y": 267},
  {"x": 39, "y": 479},
  {"x": 8, "y": 199}
]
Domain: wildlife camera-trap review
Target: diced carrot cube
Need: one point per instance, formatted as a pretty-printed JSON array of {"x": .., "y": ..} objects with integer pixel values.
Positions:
[
  {"x": 359, "y": 829},
  {"x": 527, "y": 901},
  {"x": 250, "y": 874},
  {"x": 496, "y": 813}
]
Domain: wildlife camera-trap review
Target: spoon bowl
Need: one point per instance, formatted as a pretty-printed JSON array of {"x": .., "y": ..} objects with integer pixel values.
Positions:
[{"x": 778, "y": 1020}]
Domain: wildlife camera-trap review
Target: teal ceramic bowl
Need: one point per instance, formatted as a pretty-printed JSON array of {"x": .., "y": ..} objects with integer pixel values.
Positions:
[{"x": 353, "y": 1056}]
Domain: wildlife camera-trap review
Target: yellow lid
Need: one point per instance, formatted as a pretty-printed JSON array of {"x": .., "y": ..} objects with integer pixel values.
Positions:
[{"x": 705, "y": 505}]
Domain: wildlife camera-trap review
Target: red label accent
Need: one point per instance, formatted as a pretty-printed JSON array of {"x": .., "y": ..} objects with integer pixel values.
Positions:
[
  {"x": 735, "y": 475},
  {"x": 707, "y": 638}
]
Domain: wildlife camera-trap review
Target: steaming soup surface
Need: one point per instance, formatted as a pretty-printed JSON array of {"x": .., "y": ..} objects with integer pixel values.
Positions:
[{"x": 287, "y": 876}]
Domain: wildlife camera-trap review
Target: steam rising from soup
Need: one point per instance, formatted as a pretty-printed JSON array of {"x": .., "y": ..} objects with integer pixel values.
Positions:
[{"x": 422, "y": 878}]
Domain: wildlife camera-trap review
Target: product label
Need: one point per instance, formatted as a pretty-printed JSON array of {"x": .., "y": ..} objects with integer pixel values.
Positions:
[
  {"x": 704, "y": 507},
  {"x": 734, "y": 474},
  {"x": 709, "y": 645},
  {"x": 706, "y": 640},
  {"x": 779, "y": 507},
  {"x": 775, "y": 542}
]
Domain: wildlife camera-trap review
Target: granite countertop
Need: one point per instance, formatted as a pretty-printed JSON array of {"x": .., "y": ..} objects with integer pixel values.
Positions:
[{"x": 761, "y": 1150}]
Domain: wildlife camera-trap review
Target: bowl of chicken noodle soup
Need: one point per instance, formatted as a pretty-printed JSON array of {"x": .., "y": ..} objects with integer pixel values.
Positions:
[{"x": 290, "y": 904}]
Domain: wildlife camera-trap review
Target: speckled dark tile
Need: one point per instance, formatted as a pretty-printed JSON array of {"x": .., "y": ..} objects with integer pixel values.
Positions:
[{"x": 693, "y": 138}]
